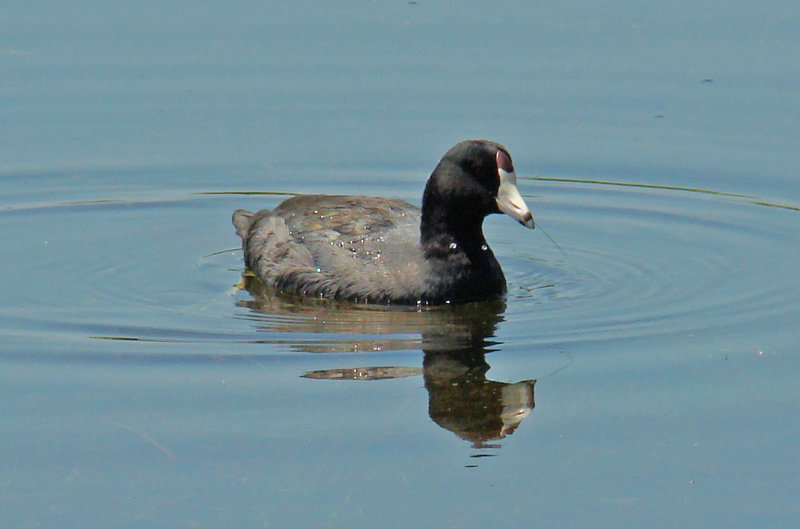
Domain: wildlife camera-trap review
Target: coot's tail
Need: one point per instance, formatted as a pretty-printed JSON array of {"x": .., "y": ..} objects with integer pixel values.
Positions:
[{"x": 242, "y": 220}]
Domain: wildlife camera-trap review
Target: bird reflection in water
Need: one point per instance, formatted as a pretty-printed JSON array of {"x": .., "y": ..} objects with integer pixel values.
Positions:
[{"x": 455, "y": 340}]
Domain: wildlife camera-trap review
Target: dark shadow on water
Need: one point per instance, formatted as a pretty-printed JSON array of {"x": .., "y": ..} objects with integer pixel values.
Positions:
[{"x": 454, "y": 339}]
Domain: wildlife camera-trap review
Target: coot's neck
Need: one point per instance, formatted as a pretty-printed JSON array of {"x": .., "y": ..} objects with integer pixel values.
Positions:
[
  {"x": 452, "y": 241},
  {"x": 443, "y": 232},
  {"x": 445, "y": 227},
  {"x": 462, "y": 262}
]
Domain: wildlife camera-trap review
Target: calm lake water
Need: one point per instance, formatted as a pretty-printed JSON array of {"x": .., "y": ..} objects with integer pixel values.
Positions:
[{"x": 640, "y": 373}]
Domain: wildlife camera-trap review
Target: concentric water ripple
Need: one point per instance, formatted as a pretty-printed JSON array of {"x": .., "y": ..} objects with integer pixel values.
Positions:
[
  {"x": 639, "y": 261},
  {"x": 628, "y": 261}
]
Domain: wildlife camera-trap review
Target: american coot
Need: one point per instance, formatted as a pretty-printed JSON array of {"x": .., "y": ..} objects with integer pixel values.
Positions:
[{"x": 386, "y": 251}]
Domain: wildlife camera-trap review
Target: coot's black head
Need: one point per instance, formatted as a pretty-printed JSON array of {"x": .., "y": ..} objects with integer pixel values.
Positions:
[{"x": 474, "y": 178}]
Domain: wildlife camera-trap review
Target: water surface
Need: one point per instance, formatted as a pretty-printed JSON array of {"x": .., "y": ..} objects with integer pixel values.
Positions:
[{"x": 639, "y": 372}]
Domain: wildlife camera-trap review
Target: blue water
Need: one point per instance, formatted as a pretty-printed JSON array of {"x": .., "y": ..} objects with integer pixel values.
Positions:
[{"x": 641, "y": 371}]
